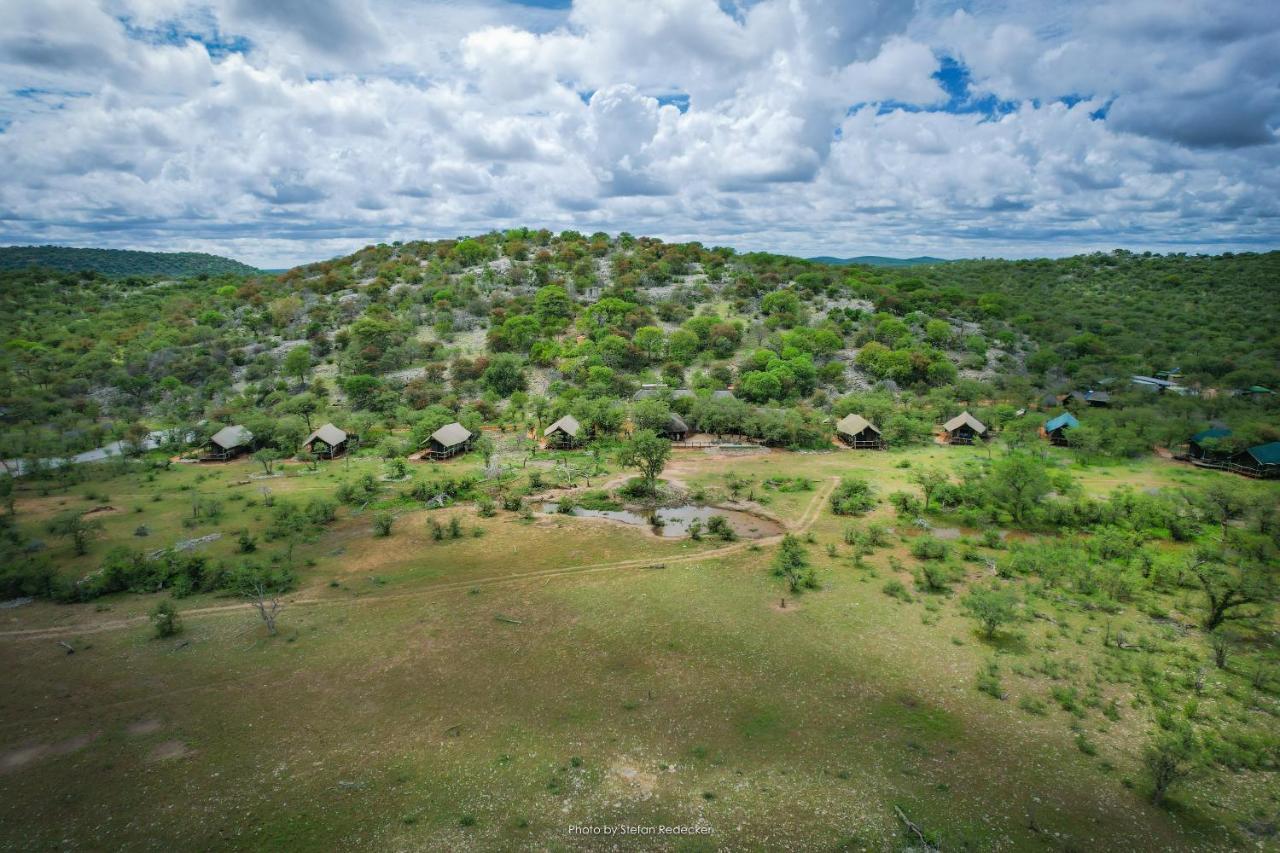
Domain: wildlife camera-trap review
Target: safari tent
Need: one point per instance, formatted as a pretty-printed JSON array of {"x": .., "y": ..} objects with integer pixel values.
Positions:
[
  {"x": 859, "y": 433},
  {"x": 964, "y": 428}
]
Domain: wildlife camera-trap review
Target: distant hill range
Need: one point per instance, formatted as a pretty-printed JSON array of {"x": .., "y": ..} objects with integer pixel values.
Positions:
[
  {"x": 878, "y": 261},
  {"x": 119, "y": 262}
]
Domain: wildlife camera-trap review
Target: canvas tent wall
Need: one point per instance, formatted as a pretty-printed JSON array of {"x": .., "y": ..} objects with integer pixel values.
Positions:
[
  {"x": 1056, "y": 429},
  {"x": 228, "y": 443},
  {"x": 1204, "y": 444},
  {"x": 964, "y": 428},
  {"x": 328, "y": 441},
  {"x": 449, "y": 440},
  {"x": 859, "y": 433},
  {"x": 564, "y": 433},
  {"x": 1261, "y": 461}
]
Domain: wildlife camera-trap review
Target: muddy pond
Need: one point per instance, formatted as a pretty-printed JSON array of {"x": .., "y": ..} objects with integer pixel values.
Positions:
[{"x": 672, "y": 522}]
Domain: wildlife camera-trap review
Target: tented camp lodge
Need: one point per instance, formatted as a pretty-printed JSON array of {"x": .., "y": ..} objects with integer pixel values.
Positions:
[
  {"x": 1097, "y": 399},
  {"x": 676, "y": 429},
  {"x": 1056, "y": 428},
  {"x": 449, "y": 440},
  {"x": 327, "y": 442},
  {"x": 227, "y": 443},
  {"x": 964, "y": 428},
  {"x": 1261, "y": 461},
  {"x": 1204, "y": 445},
  {"x": 564, "y": 433},
  {"x": 857, "y": 432}
]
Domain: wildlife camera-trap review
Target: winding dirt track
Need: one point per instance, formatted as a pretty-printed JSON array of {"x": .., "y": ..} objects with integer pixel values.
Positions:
[{"x": 801, "y": 525}]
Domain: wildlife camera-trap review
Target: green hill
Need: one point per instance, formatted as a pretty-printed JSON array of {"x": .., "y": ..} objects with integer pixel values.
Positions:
[
  {"x": 119, "y": 262},
  {"x": 877, "y": 261}
]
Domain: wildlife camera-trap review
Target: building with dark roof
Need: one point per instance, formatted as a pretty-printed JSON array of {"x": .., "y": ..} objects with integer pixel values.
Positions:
[
  {"x": 1261, "y": 461},
  {"x": 859, "y": 433},
  {"x": 1204, "y": 444},
  {"x": 564, "y": 433},
  {"x": 964, "y": 428},
  {"x": 448, "y": 441},
  {"x": 328, "y": 441},
  {"x": 1056, "y": 428},
  {"x": 228, "y": 443}
]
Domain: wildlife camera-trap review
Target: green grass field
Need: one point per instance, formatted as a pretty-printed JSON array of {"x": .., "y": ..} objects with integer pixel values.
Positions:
[{"x": 494, "y": 692}]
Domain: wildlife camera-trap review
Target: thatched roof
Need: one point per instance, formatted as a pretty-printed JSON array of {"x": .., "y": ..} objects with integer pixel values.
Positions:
[
  {"x": 450, "y": 435},
  {"x": 329, "y": 434},
  {"x": 568, "y": 425},
  {"x": 675, "y": 423},
  {"x": 229, "y": 438},
  {"x": 965, "y": 419},
  {"x": 854, "y": 425}
]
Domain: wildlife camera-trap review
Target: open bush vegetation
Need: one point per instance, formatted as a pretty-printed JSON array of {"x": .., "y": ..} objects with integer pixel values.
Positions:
[{"x": 409, "y": 647}]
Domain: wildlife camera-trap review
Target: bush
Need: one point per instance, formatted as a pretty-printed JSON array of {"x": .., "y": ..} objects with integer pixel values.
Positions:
[
  {"x": 486, "y": 507},
  {"x": 164, "y": 620},
  {"x": 992, "y": 607},
  {"x": 896, "y": 589},
  {"x": 27, "y": 578},
  {"x": 936, "y": 577},
  {"x": 989, "y": 681},
  {"x": 853, "y": 496},
  {"x": 718, "y": 525},
  {"x": 906, "y": 504},
  {"x": 929, "y": 548},
  {"x": 382, "y": 524},
  {"x": 792, "y": 564}
]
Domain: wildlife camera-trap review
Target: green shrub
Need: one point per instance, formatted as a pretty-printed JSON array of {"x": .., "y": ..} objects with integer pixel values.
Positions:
[
  {"x": 164, "y": 620},
  {"x": 853, "y": 496},
  {"x": 895, "y": 589},
  {"x": 929, "y": 548},
  {"x": 989, "y": 680},
  {"x": 718, "y": 525}
]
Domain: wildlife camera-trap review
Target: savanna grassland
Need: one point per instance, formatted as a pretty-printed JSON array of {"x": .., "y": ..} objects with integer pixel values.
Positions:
[
  {"x": 702, "y": 611},
  {"x": 494, "y": 690}
]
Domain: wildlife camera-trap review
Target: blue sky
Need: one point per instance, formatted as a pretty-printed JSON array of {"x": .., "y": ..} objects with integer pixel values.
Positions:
[{"x": 283, "y": 132}]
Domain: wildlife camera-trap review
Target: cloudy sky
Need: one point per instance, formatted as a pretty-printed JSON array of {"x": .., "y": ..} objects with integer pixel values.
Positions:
[{"x": 282, "y": 131}]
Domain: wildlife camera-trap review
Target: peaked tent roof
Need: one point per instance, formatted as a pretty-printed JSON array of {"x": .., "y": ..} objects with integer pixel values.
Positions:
[
  {"x": 1267, "y": 454},
  {"x": 568, "y": 425},
  {"x": 329, "y": 434},
  {"x": 675, "y": 423},
  {"x": 854, "y": 424},
  {"x": 1066, "y": 419},
  {"x": 231, "y": 437},
  {"x": 962, "y": 419},
  {"x": 1213, "y": 432},
  {"x": 451, "y": 434}
]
